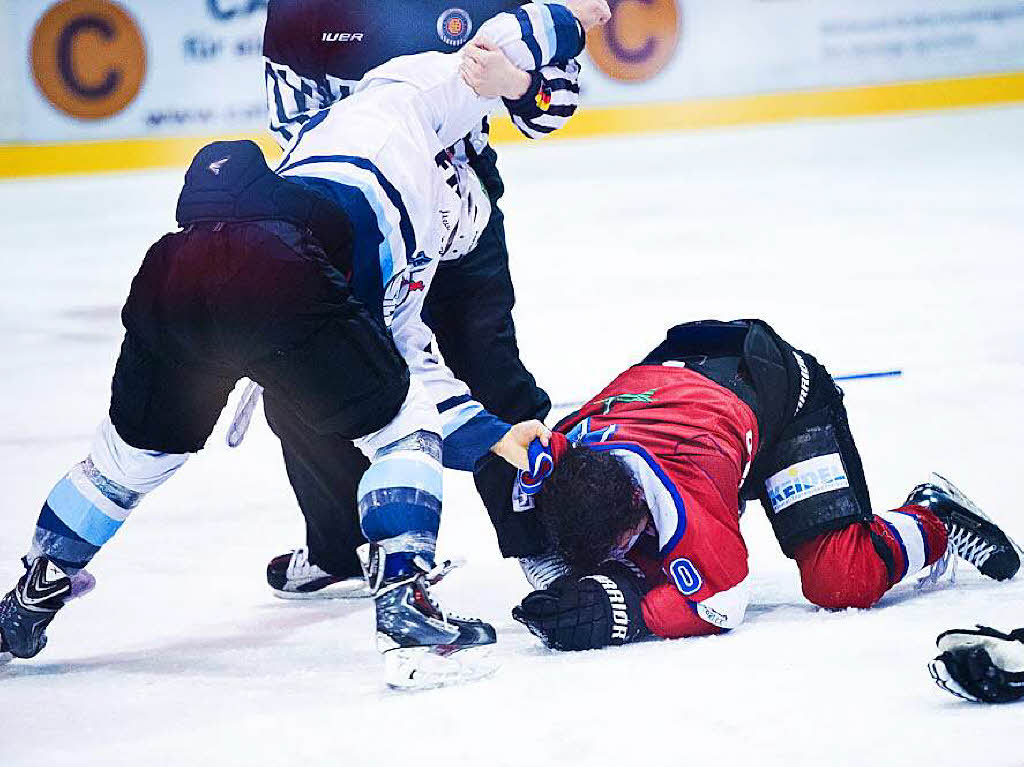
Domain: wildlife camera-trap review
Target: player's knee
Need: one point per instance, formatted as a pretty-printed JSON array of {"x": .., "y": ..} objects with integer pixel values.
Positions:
[
  {"x": 841, "y": 569},
  {"x": 140, "y": 471},
  {"x": 401, "y": 490}
]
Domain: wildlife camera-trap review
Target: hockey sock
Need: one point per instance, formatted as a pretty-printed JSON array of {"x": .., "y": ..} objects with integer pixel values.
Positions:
[
  {"x": 400, "y": 501},
  {"x": 91, "y": 502},
  {"x": 913, "y": 537}
]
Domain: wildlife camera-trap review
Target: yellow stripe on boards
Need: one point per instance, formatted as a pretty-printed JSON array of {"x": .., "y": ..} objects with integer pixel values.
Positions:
[{"x": 21, "y": 160}]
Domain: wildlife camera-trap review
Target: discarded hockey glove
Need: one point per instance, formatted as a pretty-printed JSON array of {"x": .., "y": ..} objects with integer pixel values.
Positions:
[
  {"x": 981, "y": 665},
  {"x": 584, "y": 613}
]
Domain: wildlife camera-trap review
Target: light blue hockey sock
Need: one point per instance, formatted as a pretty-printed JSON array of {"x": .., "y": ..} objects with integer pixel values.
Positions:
[
  {"x": 400, "y": 501},
  {"x": 81, "y": 513}
]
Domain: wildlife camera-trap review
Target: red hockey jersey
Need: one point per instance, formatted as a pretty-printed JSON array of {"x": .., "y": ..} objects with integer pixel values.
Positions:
[{"x": 688, "y": 442}]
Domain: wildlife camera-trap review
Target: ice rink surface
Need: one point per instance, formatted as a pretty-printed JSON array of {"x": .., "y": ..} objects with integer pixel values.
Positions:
[{"x": 873, "y": 244}]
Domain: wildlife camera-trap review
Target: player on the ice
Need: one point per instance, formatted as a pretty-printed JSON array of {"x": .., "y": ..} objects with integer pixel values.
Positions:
[
  {"x": 315, "y": 52},
  {"x": 309, "y": 281},
  {"x": 642, "y": 488},
  {"x": 982, "y": 664}
]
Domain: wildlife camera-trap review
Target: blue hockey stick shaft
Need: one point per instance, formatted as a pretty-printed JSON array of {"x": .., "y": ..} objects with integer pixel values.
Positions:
[
  {"x": 875, "y": 374},
  {"x": 844, "y": 377}
]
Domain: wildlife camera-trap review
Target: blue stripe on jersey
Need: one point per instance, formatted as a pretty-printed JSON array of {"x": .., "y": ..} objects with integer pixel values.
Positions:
[
  {"x": 451, "y": 402},
  {"x": 366, "y": 281},
  {"x": 567, "y": 33},
  {"x": 456, "y": 417},
  {"x": 547, "y": 19},
  {"x": 467, "y": 444},
  {"x": 526, "y": 26},
  {"x": 404, "y": 222}
]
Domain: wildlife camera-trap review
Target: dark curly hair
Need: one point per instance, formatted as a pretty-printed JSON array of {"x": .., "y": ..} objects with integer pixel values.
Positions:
[{"x": 587, "y": 504}]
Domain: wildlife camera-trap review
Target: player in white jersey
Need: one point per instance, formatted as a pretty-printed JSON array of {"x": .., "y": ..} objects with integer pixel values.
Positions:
[{"x": 291, "y": 280}]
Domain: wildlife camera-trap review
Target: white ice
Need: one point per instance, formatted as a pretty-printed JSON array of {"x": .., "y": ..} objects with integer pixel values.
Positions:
[{"x": 875, "y": 244}]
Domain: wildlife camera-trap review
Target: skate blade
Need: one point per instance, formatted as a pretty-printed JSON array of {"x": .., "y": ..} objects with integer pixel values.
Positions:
[
  {"x": 427, "y": 668},
  {"x": 5, "y": 658},
  {"x": 344, "y": 590}
]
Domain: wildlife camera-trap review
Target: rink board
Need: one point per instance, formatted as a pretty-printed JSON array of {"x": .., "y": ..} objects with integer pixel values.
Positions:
[
  {"x": 180, "y": 74},
  {"x": 24, "y": 160}
]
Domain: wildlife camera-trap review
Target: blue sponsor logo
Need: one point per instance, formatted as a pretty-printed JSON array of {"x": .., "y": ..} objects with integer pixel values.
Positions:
[
  {"x": 454, "y": 26},
  {"x": 686, "y": 576},
  {"x": 806, "y": 479},
  {"x": 228, "y": 10}
]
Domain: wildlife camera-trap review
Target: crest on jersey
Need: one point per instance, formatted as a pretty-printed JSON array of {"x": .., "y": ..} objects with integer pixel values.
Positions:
[
  {"x": 454, "y": 26},
  {"x": 646, "y": 398},
  {"x": 686, "y": 576}
]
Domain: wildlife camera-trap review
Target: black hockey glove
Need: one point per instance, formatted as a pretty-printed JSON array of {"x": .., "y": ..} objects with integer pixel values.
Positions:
[
  {"x": 584, "y": 613},
  {"x": 981, "y": 665}
]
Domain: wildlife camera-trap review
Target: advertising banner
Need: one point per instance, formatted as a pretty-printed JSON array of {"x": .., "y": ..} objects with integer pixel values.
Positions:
[
  {"x": 98, "y": 69},
  {"x": 676, "y": 50},
  {"x": 84, "y": 70}
]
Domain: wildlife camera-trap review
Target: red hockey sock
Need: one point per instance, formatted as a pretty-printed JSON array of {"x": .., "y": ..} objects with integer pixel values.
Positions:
[
  {"x": 855, "y": 566},
  {"x": 912, "y": 539}
]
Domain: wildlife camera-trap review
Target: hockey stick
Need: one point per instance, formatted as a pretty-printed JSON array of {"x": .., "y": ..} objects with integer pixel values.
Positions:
[
  {"x": 251, "y": 397},
  {"x": 243, "y": 414},
  {"x": 573, "y": 405}
]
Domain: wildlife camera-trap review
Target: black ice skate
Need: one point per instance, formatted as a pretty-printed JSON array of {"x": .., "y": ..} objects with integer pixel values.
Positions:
[
  {"x": 293, "y": 576},
  {"x": 28, "y": 608},
  {"x": 423, "y": 646},
  {"x": 972, "y": 535}
]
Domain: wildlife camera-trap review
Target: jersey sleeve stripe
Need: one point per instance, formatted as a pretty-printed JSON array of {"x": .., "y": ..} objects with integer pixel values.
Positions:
[
  {"x": 546, "y": 23},
  {"x": 526, "y": 27},
  {"x": 566, "y": 32},
  {"x": 381, "y": 185}
]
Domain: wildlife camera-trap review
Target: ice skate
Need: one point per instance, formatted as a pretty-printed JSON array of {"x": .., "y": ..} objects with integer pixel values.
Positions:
[
  {"x": 293, "y": 576},
  {"x": 973, "y": 537},
  {"x": 27, "y": 609},
  {"x": 423, "y": 645}
]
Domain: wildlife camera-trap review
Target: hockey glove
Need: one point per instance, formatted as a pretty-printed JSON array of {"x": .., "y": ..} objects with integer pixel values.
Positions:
[
  {"x": 981, "y": 665},
  {"x": 588, "y": 612}
]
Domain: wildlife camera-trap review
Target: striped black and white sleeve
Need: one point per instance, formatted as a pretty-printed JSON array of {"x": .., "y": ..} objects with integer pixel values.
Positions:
[
  {"x": 543, "y": 39},
  {"x": 292, "y": 98},
  {"x": 549, "y": 102}
]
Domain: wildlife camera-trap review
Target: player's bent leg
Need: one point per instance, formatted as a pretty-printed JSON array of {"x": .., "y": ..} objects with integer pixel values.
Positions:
[
  {"x": 856, "y": 565},
  {"x": 324, "y": 471},
  {"x": 345, "y": 381},
  {"x": 82, "y": 512},
  {"x": 400, "y": 508}
]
